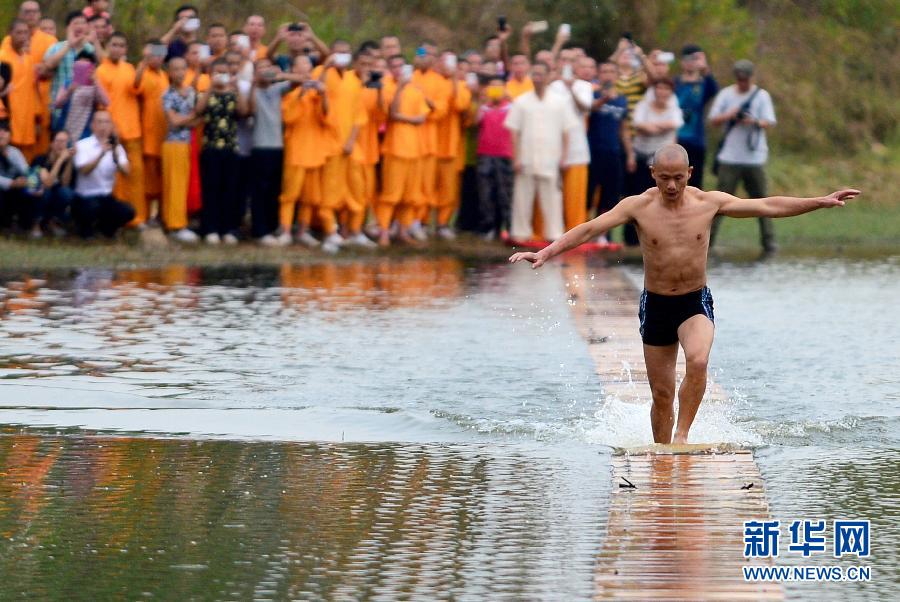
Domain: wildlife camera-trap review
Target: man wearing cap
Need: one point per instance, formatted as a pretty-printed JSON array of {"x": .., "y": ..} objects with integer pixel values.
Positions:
[
  {"x": 695, "y": 88},
  {"x": 745, "y": 111}
]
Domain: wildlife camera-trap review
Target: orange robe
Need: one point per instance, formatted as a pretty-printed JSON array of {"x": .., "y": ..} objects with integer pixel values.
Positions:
[
  {"x": 40, "y": 43},
  {"x": 23, "y": 101}
]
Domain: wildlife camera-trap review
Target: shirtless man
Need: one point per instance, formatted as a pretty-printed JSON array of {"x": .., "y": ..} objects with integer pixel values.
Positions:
[{"x": 673, "y": 222}]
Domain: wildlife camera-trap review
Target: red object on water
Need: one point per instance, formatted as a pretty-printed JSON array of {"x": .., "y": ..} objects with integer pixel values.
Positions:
[{"x": 536, "y": 245}]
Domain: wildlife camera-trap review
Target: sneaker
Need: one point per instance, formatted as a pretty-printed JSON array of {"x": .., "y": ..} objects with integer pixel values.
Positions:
[
  {"x": 602, "y": 240},
  {"x": 488, "y": 236},
  {"x": 418, "y": 232},
  {"x": 372, "y": 231},
  {"x": 394, "y": 230},
  {"x": 360, "y": 240},
  {"x": 335, "y": 239},
  {"x": 268, "y": 241},
  {"x": 212, "y": 239},
  {"x": 306, "y": 239},
  {"x": 185, "y": 236},
  {"x": 230, "y": 239},
  {"x": 446, "y": 233},
  {"x": 36, "y": 233}
]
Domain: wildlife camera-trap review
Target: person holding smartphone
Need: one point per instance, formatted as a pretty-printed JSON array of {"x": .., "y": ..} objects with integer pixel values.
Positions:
[
  {"x": 183, "y": 31},
  {"x": 100, "y": 159},
  {"x": 152, "y": 82},
  {"x": 117, "y": 78},
  {"x": 220, "y": 108},
  {"x": 695, "y": 88}
]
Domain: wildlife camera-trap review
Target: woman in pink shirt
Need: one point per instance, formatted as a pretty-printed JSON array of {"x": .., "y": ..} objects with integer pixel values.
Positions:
[{"x": 494, "y": 167}]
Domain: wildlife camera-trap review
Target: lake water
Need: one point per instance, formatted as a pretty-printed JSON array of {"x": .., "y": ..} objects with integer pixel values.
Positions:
[{"x": 419, "y": 427}]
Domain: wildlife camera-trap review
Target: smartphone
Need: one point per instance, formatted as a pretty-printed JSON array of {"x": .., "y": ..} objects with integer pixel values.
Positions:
[
  {"x": 192, "y": 24},
  {"x": 539, "y": 26},
  {"x": 501, "y": 23},
  {"x": 666, "y": 57},
  {"x": 243, "y": 41},
  {"x": 81, "y": 73},
  {"x": 472, "y": 79},
  {"x": 451, "y": 61},
  {"x": 159, "y": 50},
  {"x": 309, "y": 84},
  {"x": 342, "y": 59},
  {"x": 565, "y": 29},
  {"x": 205, "y": 52},
  {"x": 407, "y": 73},
  {"x": 567, "y": 72}
]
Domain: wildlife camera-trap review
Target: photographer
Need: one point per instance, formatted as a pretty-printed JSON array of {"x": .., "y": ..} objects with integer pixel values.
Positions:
[
  {"x": 746, "y": 112},
  {"x": 695, "y": 88},
  {"x": 98, "y": 160}
]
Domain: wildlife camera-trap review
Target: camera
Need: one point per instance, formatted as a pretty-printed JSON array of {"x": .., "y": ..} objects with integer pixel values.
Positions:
[{"x": 374, "y": 80}]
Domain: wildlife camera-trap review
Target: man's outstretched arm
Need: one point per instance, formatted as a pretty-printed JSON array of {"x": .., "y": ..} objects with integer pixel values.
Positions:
[
  {"x": 778, "y": 206},
  {"x": 580, "y": 234}
]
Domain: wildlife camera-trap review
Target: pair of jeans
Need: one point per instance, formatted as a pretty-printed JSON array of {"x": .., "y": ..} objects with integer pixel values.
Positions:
[
  {"x": 53, "y": 204},
  {"x": 495, "y": 184},
  {"x": 101, "y": 213},
  {"x": 266, "y": 167},
  {"x": 218, "y": 174}
]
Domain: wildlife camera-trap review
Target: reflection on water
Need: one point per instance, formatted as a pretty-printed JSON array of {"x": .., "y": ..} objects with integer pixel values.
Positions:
[
  {"x": 456, "y": 414},
  {"x": 223, "y": 520}
]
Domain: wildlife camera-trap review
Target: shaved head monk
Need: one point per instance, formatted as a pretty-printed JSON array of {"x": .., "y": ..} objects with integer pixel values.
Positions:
[{"x": 673, "y": 222}]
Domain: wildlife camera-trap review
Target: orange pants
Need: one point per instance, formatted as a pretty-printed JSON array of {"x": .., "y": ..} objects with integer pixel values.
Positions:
[
  {"x": 400, "y": 191},
  {"x": 299, "y": 185},
  {"x": 153, "y": 177},
  {"x": 130, "y": 188},
  {"x": 447, "y": 190},
  {"x": 428, "y": 184},
  {"x": 575, "y": 183},
  {"x": 176, "y": 172}
]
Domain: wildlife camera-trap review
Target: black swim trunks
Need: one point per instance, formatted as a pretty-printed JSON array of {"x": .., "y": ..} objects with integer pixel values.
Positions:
[{"x": 661, "y": 315}]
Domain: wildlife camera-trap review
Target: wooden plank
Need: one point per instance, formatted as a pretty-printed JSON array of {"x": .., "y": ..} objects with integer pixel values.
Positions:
[{"x": 678, "y": 533}]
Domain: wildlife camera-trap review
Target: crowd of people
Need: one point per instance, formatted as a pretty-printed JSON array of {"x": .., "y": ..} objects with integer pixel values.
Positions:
[{"x": 217, "y": 136}]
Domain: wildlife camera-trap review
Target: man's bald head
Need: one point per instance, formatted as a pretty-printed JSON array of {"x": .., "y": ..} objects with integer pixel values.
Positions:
[{"x": 671, "y": 155}]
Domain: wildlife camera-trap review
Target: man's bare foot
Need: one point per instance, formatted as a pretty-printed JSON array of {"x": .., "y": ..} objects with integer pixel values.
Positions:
[
  {"x": 406, "y": 239},
  {"x": 679, "y": 438},
  {"x": 384, "y": 239}
]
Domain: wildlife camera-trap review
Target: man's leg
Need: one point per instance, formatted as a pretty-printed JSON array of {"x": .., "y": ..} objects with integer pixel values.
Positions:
[
  {"x": 660, "y": 362},
  {"x": 696, "y": 337},
  {"x": 757, "y": 187},
  {"x": 523, "y": 206},
  {"x": 550, "y": 198}
]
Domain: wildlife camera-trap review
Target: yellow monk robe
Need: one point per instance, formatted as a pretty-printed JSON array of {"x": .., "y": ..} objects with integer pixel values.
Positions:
[
  {"x": 367, "y": 152},
  {"x": 154, "y": 127},
  {"x": 176, "y": 169},
  {"x": 449, "y": 136},
  {"x": 345, "y": 111},
  {"x": 401, "y": 188},
  {"x": 38, "y": 46},
  {"x": 306, "y": 137},
  {"x": 202, "y": 80},
  {"x": 117, "y": 79},
  {"x": 575, "y": 184},
  {"x": 518, "y": 87},
  {"x": 23, "y": 101},
  {"x": 438, "y": 90}
]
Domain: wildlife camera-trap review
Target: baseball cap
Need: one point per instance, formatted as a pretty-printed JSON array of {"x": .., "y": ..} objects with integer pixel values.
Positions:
[{"x": 743, "y": 67}]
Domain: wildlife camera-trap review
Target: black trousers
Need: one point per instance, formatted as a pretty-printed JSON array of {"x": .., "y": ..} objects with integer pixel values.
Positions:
[
  {"x": 495, "y": 184},
  {"x": 16, "y": 203},
  {"x": 100, "y": 213},
  {"x": 607, "y": 172},
  {"x": 697, "y": 158},
  {"x": 218, "y": 174},
  {"x": 468, "y": 218},
  {"x": 266, "y": 167}
]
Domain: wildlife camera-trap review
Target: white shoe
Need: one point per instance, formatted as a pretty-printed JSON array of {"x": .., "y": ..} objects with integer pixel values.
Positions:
[
  {"x": 306, "y": 239},
  {"x": 602, "y": 240},
  {"x": 268, "y": 241},
  {"x": 212, "y": 239},
  {"x": 418, "y": 232},
  {"x": 334, "y": 239},
  {"x": 360, "y": 240},
  {"x": 394, "y": 230},
  {"x": 489, "y": 236},
  {"x": 185, "y": 236},
  {"x": 446, "y": 233},
  {"x": 230, "y": 239}
]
